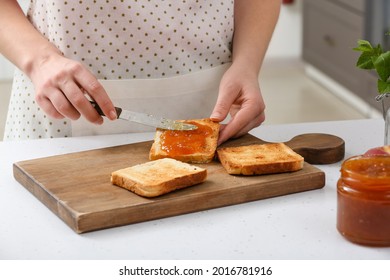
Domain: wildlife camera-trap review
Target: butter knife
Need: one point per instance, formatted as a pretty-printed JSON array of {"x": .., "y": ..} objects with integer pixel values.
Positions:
[{"x": 147, "y": 119}]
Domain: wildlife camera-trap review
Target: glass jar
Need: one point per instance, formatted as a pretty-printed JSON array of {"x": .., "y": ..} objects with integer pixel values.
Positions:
[
  {"x": 387, "y": 126},
  {"x": 386, "y": 114},
  {"x": 363, "y": 200}
]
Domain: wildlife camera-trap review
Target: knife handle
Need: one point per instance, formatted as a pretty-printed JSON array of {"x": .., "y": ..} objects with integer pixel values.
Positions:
[{"x": 100, "y": 111}]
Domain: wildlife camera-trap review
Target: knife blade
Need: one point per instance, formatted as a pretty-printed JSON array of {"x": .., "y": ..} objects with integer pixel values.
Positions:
[{"x": 147, "y": 119}]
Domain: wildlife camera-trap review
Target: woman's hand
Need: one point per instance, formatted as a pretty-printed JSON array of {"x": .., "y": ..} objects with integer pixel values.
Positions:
[
  {"x": 60, "y": 83},
  {"x": 239, "y": 95},
  {"x": 60, "y": 88},
  {"x": 239, "y": 92}
]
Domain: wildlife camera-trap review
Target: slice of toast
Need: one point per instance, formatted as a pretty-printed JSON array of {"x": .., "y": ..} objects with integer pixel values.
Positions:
[
  {"x": 158, "y": 177},
  {"x": 192, "y": 146},
  {"x": 260, "y": 159}
]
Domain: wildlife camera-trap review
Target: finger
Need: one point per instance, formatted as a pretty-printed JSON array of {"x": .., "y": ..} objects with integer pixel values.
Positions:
[
  {"x": 62, "y": 104},
  {"x": 95, "y": 89},
  {"x": 227, "y": 134},
  {"x": 240, "y": 124},
  {"x": 255, "y": 123},
  {"x": 48, "y": 107},
  {"x": 79, "y": 103},
  {"x": 55, "y": 104},
  {"x": 224, "y": 102}
]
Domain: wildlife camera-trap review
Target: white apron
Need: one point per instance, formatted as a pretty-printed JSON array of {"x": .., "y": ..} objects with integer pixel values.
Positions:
[
  {"x": 130, "y": 39},
  {"x": 190, "y": 96}
]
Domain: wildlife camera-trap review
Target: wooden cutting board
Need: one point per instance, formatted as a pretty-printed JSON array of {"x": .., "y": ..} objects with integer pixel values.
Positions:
[{"x": 77, "y": 187}]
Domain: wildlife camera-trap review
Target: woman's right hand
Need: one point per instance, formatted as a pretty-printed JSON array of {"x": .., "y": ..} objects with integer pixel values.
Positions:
[
  {"x": 61, "y": 86},
  {"x": 60, "y": 83}
]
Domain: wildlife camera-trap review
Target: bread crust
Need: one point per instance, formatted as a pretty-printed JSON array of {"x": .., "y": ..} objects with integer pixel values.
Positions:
[
  {"x": 158, "y": 177},
  {"x": 259, "y": 159},
  {"x": 205, "y": 155}
]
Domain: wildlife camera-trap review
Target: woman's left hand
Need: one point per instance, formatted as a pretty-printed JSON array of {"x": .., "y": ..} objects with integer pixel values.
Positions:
[{"x": 239, "y": 95}]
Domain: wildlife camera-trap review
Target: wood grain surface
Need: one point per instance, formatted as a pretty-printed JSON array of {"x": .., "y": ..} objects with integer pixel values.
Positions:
[{"x": 77, "y": 188}]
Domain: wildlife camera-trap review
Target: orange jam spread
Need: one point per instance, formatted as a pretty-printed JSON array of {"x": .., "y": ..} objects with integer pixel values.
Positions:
[
  {"x": 185, "y": 142},
  {"x": 363, "y": 200}
]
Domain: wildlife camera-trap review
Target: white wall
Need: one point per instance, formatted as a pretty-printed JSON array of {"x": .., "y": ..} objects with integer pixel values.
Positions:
[{"x": 286, "y": 41}]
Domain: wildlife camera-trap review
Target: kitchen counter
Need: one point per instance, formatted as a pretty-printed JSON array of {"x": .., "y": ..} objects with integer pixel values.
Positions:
[{"x": 297, "y": 226}]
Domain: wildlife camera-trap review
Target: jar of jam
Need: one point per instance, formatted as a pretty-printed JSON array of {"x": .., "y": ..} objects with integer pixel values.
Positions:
[{"x": 363, "y": 200}]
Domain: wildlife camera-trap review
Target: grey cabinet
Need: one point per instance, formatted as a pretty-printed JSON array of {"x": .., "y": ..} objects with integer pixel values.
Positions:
[{"x": 331, "y": 29}]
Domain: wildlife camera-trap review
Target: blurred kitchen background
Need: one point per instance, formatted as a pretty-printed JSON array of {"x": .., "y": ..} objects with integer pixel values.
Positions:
[{"x": 309, "y": 73}]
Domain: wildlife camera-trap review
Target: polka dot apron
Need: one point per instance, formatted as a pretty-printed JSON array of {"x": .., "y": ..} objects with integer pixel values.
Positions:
[{"x": 161, "y": 57}]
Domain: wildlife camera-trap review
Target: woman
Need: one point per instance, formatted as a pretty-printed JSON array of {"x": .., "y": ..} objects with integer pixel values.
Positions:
[{"x": 65, "y": 49}]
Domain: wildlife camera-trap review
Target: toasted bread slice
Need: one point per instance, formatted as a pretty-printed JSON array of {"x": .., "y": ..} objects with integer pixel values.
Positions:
[
  {"x": 158, "y": 177},
  {"x": 260, "y": 159},
  {"x": 192, "y": 146}
]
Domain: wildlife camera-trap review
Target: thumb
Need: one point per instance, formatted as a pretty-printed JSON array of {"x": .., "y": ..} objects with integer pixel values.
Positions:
[
  {"x": 219, "y": 113},
  {"x": 221, "y": 108}
]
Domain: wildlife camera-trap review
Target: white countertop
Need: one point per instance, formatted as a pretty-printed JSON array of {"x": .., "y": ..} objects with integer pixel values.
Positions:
[{"x": 298, "y": 226}]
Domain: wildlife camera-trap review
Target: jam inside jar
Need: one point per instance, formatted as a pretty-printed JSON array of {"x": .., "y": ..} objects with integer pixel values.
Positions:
[{"x": 363, "y": 200}]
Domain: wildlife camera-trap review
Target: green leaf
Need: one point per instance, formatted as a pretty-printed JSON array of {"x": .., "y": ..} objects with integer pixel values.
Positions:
[
  {"x": 368, "y": 54},
  {"x": 375, "y": 58},
  {"x": 383, "y": 87},
  {"x": 382, "y": 66},
  {"x": 378, "y": 50},
  {"x": 365, "y": 61},
  {"x": 363, "y": 46}
]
